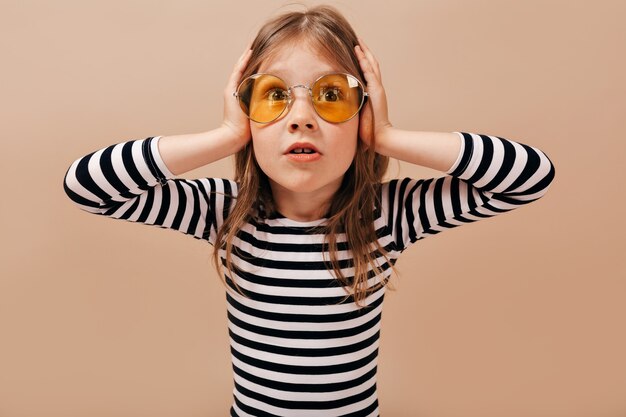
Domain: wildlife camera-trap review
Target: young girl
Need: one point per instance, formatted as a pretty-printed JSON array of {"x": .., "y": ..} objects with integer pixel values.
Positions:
[{"x": 306, "y": 235}]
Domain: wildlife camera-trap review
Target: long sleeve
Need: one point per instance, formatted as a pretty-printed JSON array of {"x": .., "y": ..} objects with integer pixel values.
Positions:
[
  {"x": 491, "y": 175},
  {"x": 130, "y": 181}
]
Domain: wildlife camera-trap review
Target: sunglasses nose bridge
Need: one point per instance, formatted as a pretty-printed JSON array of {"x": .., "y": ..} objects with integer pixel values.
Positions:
[
  {"x": 307, "y": 95},
  {"x": 291, "y": 89}
]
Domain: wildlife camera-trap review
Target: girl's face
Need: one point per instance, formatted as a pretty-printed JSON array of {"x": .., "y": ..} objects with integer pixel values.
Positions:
[{"x": 295, "y": 182}]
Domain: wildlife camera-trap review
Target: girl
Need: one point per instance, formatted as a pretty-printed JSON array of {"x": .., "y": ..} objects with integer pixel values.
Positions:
[{"x": 306, "y": 235}]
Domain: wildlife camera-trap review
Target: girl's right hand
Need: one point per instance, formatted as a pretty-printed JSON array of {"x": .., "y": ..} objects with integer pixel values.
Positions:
[{"x": 235, "y": 121}]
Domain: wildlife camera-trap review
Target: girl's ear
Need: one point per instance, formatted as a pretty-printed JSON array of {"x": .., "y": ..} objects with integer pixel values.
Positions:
[{"x": 362, "y": 145}]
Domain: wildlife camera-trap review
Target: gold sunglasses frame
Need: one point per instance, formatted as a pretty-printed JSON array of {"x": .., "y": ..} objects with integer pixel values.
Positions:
[{"x": 364, "y": 97}]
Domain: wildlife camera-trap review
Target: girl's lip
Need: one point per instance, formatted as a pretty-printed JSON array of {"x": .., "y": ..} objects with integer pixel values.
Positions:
[
  {"x": 303, "y": 157},
  {"x": 298, "y": 145}
]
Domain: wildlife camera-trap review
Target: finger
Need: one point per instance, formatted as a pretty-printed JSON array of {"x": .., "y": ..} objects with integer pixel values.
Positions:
[
  {"x": 235, "y": 75},
  {"x": 249, "y": 46},
  {"x": 370, "y": 75},
  {"x": 245, "y": 53},
  {"x": 370, "y": 56},
  {"x": 366, "y": 49},
  {"x": 243, "y": 56},
  {"x": 241, "y": 63},
  {"x": 367, "y": 68},
  {"x": 372, "y": 60}
]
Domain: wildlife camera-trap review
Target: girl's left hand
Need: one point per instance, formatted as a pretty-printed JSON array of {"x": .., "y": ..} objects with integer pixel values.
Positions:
[{"x": 376, "y": 107}]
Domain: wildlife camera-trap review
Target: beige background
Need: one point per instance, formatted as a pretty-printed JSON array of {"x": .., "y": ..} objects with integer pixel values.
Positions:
[{"x": 521, "y": 315}]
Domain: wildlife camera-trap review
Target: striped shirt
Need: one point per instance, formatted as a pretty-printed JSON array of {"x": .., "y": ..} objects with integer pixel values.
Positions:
[{"x": 298, "y": 347}]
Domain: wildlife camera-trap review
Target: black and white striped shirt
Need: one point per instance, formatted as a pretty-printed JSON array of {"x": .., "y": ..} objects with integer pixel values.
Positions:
[{"x": 297, "y": 349}]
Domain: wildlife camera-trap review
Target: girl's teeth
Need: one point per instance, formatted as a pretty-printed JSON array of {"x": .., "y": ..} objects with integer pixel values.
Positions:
[{"x": 302, "y": 150}]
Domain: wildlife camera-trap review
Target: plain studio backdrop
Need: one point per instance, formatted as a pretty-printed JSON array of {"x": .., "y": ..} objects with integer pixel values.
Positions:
[{"x": 520, "y": 315}]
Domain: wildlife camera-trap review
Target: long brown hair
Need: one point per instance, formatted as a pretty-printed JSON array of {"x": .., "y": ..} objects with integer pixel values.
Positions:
[{"x": 352, "y": 208}]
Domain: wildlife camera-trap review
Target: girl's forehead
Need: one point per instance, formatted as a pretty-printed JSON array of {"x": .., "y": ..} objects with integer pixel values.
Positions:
[
  {"x": 283, "y": 63},
  {"x": 309, "y": 76}
]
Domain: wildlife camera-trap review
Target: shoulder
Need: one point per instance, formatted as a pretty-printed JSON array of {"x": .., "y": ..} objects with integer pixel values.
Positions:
[
  {"x": 395, "y": 191},
  {"x": 220, "y": 185},
  {"x": 390, "y": 186}
]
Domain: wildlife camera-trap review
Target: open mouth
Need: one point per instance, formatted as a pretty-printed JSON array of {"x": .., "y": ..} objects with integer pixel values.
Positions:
[
  {"x": 303, "y": 155},
  {"x": 302, "y": 150}
]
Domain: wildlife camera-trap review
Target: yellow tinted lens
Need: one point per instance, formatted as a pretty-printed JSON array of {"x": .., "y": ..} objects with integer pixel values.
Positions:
[
  {"x": 263, "y": 97},
  {"x": 337, "y": 97}
]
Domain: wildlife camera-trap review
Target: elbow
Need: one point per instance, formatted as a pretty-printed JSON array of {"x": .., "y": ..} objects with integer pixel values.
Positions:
[
  {"x": 75, "y": 190},
  {"x": 70, "y": 187},
  {"x": 543, "y": 178},
  {"x": 550, "y": 173},
  {"x": 69, "y": 184},
  {"x": 66, "y": 183}
]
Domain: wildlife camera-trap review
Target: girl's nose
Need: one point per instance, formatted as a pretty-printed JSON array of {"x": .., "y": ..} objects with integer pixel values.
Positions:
[{"x": 302, "y": 114}]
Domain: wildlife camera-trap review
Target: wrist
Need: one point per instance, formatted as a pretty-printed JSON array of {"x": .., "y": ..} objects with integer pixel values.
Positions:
[
  {"x": 383, "y": 137},
  {"x": 236, "y": 141}
]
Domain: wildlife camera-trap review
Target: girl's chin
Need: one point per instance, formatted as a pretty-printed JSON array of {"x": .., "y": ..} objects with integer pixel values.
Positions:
[{"x": 304, "y": 184}]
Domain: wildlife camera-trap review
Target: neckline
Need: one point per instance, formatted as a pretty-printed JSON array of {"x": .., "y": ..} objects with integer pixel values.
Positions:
[{"x": 286, "y": 221}]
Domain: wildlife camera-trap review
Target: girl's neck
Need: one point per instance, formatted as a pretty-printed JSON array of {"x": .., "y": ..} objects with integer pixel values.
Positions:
[{"x": 302, "y": 207}]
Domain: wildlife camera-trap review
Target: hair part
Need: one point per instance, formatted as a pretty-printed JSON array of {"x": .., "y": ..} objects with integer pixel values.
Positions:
[{"x": 352, "y": 209}]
